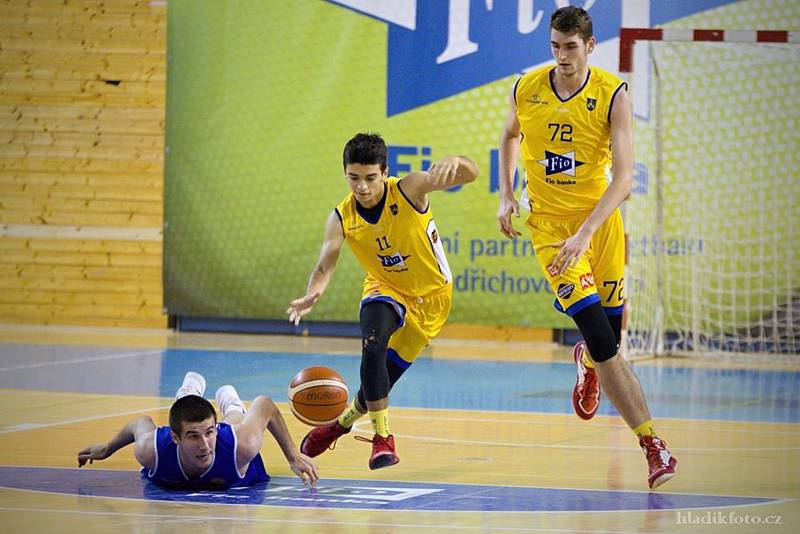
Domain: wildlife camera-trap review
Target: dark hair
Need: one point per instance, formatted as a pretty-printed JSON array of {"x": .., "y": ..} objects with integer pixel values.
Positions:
[
  {"x": 367, "y": 149},
  {"x": 189, "y": 409},
  {"x": 571, "y": 20}
]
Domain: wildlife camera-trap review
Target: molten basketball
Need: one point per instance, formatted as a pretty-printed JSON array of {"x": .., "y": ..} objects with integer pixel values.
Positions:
[{"x": 317, "y": 395}]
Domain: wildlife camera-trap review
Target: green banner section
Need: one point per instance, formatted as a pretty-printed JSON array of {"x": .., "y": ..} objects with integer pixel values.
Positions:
[{"x": 261, "y": 99}]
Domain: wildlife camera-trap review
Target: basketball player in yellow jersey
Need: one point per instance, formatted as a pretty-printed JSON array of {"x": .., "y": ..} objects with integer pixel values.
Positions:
[
  {"x": 406, "y": 298},
  {"x": 571, "y": 122}
]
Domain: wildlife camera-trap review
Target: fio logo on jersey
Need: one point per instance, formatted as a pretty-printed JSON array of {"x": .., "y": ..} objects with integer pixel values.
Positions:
[
  {"x": 393, "y": 260},
  {"x": 560, "y": 163}
]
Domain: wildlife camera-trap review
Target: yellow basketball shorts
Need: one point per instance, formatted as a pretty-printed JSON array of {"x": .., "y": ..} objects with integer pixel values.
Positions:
[
  {"x": 598, "y": 275},
  {"x": 421, "y": 318}
]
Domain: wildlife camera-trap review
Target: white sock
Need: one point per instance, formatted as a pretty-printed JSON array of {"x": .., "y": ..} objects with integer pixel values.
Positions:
[
  {"x": 228, "y": 400},
  {"x": 193, "y": 384}
]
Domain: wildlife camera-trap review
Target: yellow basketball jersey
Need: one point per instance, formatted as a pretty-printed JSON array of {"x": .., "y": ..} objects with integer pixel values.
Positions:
[
  {"x": 566, "y": 144},
  {"x": 402, "y": 249}
]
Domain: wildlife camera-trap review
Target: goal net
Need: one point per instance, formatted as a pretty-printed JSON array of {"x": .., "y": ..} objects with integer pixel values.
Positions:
[{"x": 714, "y": 219}]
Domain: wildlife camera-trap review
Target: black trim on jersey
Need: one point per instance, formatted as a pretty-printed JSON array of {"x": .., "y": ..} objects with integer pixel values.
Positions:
[
  {"x": 573, "y": 95},
  {"x": 412, "y": 204},
  {"x": 611, "y": 105},
  {"x": 372, "y": 215},
  {"x": 514, "y": 92},
  {"x": 341, "y": 221}
]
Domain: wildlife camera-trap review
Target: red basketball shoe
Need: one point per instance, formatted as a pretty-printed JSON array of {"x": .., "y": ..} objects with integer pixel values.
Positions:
[
  {"x": 586, "y": 395},
  {"x": 660, "y": 461},
  {"x": 322, "y": 438},
  {"x": 383, "y": 453}
]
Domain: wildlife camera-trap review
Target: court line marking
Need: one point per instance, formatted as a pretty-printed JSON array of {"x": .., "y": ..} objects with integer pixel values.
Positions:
[
  {"x": 675, "y": 419},
  {"x": 200, "y": 518},
  {"x": 35, "y": 426},
  {"x": 84, "y": 360},
  {"x": 769, "y": 501},
  {"x": 563, "y": 446},
  {"x": 516, "y": 416}
]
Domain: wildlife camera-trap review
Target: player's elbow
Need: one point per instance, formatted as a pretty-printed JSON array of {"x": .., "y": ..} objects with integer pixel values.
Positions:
[
  {"x": 266, "y": 407},
  {"x": 508, "y": 135},
  {"x": 624, "y": 183},
  {"x": 142, "y": 425},
  {"x": 627, "y": 184}
]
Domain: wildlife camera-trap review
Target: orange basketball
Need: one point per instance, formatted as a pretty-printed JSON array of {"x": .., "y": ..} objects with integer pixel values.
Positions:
[{"x": 317, "y": 395}]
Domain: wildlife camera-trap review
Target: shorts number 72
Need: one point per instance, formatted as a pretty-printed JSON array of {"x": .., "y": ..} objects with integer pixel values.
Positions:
[{"x": 616, "y": 287}]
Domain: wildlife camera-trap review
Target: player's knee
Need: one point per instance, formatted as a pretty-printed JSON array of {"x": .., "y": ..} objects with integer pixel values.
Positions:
[
  {"x": 598, "y": 332},
  {"x": 374, "y": 341},
  {"x": 602, "y": 347},
  {"x": 616, "y": 325}
]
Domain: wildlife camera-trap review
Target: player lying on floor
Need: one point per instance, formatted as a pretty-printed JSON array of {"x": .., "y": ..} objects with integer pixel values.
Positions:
[{"x": 196, "y": 451}]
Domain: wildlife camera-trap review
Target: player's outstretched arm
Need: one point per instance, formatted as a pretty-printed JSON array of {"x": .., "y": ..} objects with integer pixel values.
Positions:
[
  {"x": 139, "y": 431},
  {"x": 445, "y": 173},
  {"x": 322, "y": 272},
  {"x": 508, "y": 154},
  {"x": 264, "y": 415}
]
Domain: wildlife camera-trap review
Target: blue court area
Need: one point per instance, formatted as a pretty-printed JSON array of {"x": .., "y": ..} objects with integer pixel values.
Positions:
[
  {"x": 676, "y": 392},
  {"x": 362, "y": 494}
]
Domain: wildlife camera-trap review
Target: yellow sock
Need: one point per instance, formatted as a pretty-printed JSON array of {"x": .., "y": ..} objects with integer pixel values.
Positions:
[
  {"x": 350, "y": 415},
  {"x": 645, "y": 429},
  {"x": 380, "y": 422},
  {"x": 587, "y": 359}
]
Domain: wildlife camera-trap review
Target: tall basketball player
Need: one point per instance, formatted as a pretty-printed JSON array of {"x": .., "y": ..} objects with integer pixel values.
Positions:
[{"x": 571, "y": 121}]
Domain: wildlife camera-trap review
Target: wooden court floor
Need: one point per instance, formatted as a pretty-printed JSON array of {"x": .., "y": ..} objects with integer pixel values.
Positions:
[{"x": 484, "y": 431}]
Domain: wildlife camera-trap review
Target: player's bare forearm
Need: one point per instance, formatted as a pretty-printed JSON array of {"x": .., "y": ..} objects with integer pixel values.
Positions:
[
  {"x": 319, "y": 279},
  {"x": 277, "y": 427},
  {"x": 322, "y": 272},
  {"x": 508, "y": 155},
  {"x": 450, "y": 171},
  {"x": 458, "y": 170},
  {"x": 123, "y": 438},
  {"x": 445, "y": 173},
  {"x": 509, "y": 149},
  {"x": 617, "y": 192},
  {"x": 126, "y": 436}
]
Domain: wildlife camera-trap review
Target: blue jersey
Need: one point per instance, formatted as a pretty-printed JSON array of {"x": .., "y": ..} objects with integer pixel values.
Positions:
[{"x": 221, "y": 474}]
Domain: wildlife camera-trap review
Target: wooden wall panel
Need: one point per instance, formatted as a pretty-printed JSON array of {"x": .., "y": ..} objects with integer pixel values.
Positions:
[{"x": 82, "y": 92}]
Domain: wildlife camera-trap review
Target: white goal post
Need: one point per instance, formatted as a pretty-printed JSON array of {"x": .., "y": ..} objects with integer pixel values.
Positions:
[{"x": 713, "y": 222}]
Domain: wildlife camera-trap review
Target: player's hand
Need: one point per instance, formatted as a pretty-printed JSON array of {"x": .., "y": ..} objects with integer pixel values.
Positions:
[
  {"x": 305, "y": 468},
  {"x": 571, "y": 251},
  {"x": 300, "y": 307},
  {"x": 442, "y": 173},
  {"x": 508, "y": 207},
  {"x": 92, "y": 453}
]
